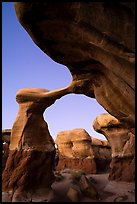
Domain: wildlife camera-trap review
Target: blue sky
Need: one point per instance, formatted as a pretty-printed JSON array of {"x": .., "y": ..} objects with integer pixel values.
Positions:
[{"x": 24, "y": 65}]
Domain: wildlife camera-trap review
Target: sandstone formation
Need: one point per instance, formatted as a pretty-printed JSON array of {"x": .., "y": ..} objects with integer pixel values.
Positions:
[
  {"x": 96, "y": 41},
  {"x": 87, "y": 38},
  {"x": 122, "y": 142},
  {"x": 102, "y": 154},
  {"x": 6, "y": 133},
  {"x": 75, "y": 150},
  {"x": 28, "y": 172}
]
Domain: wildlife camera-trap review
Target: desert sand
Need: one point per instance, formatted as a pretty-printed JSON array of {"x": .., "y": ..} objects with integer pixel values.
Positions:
[
  {"x": 108, "y": 191},
  {"x": 66, "y": 188}
]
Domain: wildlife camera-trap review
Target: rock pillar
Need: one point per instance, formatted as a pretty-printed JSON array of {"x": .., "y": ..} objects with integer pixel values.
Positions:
[
  {"x": 122, "y": 142},
  {"x": 28, "y": 172}
]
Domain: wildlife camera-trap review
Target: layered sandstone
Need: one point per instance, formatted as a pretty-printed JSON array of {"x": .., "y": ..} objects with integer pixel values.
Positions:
[
  {"x": 122, "y": 142},
  {"x": 6, "y": 133},
  {"x": 28, "y": 172},
  {"x": 75, "y": 150},
  {"x": 87, "y": 38}
]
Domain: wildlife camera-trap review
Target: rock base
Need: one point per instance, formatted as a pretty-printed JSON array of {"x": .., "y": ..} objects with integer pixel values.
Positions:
[
  {"x": 122, "y": 169},
  {"x": 102, "y": 165},
  {"x": 86, "y": 164},
  {"x": 27, "y": 172}
]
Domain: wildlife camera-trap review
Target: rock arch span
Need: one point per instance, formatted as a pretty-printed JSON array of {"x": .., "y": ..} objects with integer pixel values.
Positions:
[{"x": 87, "y": 38}]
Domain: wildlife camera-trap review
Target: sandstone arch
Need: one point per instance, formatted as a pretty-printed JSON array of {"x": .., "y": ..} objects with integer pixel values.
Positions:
[
  {"x": 87, "y": 38},
  {"x": 28, "y": 174},
  {"x": 73, "y": 111}
]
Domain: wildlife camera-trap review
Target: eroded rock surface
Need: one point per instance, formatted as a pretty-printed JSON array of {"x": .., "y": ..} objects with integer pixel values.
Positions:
[
  {"x": 28, "y": 172},
  {"x": 122, "y": 142},
  {"x": 87, "y": 38},
  {"x": 75, "y": 150},
  {"x": 102, "y": 154},
  {"x": 6, "y": 133}
]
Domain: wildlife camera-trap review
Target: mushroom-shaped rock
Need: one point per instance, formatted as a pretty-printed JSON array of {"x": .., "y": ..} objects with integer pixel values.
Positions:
[
  {"x": 30, "y": 163},
  {"x": 122, "y": 143},
  {"x": 75, "y": 150}
]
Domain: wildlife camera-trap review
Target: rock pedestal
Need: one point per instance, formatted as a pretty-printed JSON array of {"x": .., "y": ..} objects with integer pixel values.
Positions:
[
  {"x": 28, "y": 172},
  {"x": 122, "y": 142},
  {"x": 29, "y": 165}
]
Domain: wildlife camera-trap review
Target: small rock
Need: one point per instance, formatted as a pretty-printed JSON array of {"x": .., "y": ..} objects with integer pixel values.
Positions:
[
  {"x": 87, "y": 188},
  {"x": 73, "y": 194}
]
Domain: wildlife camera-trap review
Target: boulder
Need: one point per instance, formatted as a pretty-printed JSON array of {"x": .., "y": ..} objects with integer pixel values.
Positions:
[
  {"x": 87, "y": 188},
  {"x": 122, "y": 142},
  {"x": 73, "y": 194}
]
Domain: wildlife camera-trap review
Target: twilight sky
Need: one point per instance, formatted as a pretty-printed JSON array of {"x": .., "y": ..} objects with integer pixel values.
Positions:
[{"x": 24, "y": 65}]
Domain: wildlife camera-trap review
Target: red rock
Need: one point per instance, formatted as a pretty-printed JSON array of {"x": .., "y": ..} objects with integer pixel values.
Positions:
[
  {"x": 75, "y": 151},
  {"x": 122, "y": 142},
  {"x": 86, "y": 37},
  {"x": 30, "y": 163}
]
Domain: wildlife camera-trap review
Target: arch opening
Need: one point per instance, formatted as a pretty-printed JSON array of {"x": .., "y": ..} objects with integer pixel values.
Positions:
[{"x": 73, "y": 111}]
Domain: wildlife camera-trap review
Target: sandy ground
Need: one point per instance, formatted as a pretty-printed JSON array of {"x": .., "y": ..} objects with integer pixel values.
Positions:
[{"x": 109, "y": 191}]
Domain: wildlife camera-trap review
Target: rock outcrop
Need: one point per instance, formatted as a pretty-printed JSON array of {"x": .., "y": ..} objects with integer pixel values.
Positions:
[
  {"x": 6, "y": 133},
  {"x": 87, "y": 38},
  {"x": 122, "y": 142},
  {"x": 102, "y": 154},
  {"x": 75, "y": 150},
  {"x": 28, "y": 172}
]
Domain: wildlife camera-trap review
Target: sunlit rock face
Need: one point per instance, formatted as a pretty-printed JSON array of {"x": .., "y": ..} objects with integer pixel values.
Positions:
[
  {"x": 96, "y": 41},
  {"x": 28, "y": 172},
  {"x": 6, "y": 133},
  {"x": 122, "y": 142},
  {"x": 75, "y": 150},
  {"x": 102, "y": 154}
]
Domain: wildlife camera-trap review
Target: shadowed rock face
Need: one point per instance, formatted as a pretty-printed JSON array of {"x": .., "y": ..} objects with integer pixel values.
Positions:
[
  {"x": 6, "y": 133},
  {"x": 102, "y": 154},
  {"x": 122, "y": 143},
  {"x": 96, "y": 41}
]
